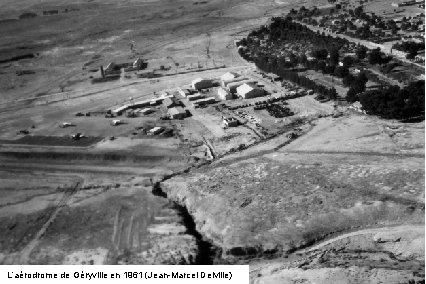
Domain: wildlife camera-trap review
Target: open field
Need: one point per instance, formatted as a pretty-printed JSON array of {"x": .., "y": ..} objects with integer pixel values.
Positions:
[{"x": 325, "y": 193}]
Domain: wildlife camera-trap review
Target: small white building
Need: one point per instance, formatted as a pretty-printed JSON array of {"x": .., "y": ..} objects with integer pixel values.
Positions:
[
  {"x": 230, "y": 121},
  {"x": 224, "y": 94},
  {"x": 156, "y": 130},
  {"x": 177, "y": 113},
  {"x": 200, "y": 83},
  {"x": 249, "y": 91}
]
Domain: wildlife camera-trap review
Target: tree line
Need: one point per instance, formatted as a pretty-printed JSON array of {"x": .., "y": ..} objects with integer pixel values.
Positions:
[{"x": 394, "y": 102}]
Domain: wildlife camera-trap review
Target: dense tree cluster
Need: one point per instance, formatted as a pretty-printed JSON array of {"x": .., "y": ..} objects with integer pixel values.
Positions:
[
  {"x": 271, "y": 59},
  {"x": 356, "y": 85},
  {"x": 393, "y": 102},
  {"x": 375, "y": 56},
  {"x": 410, "y": 47},
  {"x": 271, "y": 66}
]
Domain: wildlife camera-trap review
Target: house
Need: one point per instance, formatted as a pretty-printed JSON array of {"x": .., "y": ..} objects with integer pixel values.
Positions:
[
  {"x": 110, "y": 67},
  {"x": 177, "y": 113},
  {"x": 195, "y": 97},
  {"x": 420, "y": 57},
  {"x": 230, "y": 121},
  {"x": 224, "y": 94},
  {"x": 170, "y": 102},
  {"x": 248, "y": 91},
  {"x": 138, "y": 63},
  {"x": 200, "y": 83}
]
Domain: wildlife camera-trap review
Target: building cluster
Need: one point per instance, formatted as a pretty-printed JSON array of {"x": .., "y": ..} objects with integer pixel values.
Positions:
[{"x": 366, "y": 25}]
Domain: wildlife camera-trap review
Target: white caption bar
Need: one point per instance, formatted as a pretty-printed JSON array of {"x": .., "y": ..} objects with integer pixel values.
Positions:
[{"x": 158, "y": 274}]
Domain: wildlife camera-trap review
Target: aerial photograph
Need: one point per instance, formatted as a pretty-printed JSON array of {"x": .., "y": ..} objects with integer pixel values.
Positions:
[{"x": 287, "y": 135}]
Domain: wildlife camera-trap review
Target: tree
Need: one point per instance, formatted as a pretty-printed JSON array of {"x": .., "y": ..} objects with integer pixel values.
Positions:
[
  {"x": 322, "y": 66},
  {"x": 334, "y": 56},
  {"x": 341, "y": 71},
  {"x": 393, "y": 102},
  {"x": 347, "y": 61},
  {"x": 356, "y": 87},
  {"x": 320, "y": 54},
  {"x": 348, "y": 79},
  {"x": 375, "y": 56},
  {"x": 303, "y": 59},
  {"x": 358, "y": 11},
  {"x": 361, "y": 52}
]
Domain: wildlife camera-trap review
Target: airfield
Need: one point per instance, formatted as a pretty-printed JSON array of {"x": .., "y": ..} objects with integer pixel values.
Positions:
[{"x": 281, "y": 194}]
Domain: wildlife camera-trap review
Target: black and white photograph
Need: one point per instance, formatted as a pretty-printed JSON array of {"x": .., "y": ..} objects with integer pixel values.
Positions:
[{"x": 284, "y": 135}]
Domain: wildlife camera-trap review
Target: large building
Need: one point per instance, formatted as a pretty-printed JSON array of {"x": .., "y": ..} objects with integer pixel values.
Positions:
[
  {"x": 177, "y": 113},
  {"x": 184, "y": 92},
  {"x": 200, "y": 83},
  {"x": 224, "y": 94},
  {"x": 205, "y": 101},
  {"x": 229, "y": 76},
  {"x": 170, "y": 102},
  {"x": 232, "y": 87},
  {"x": 249, "y": 91},
  {"x": 238, "y": 79}
]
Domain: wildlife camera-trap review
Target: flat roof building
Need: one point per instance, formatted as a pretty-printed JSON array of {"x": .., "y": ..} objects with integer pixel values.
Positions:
[
  {"x": 195, "y": 97},
  {"x": 230, "y": 121},
  {"x": 146, "y": 111},
  {"x": 121, "y": 109},
  {"x": 200, "y": 83},
  {"x": 209, "y": 100}
]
